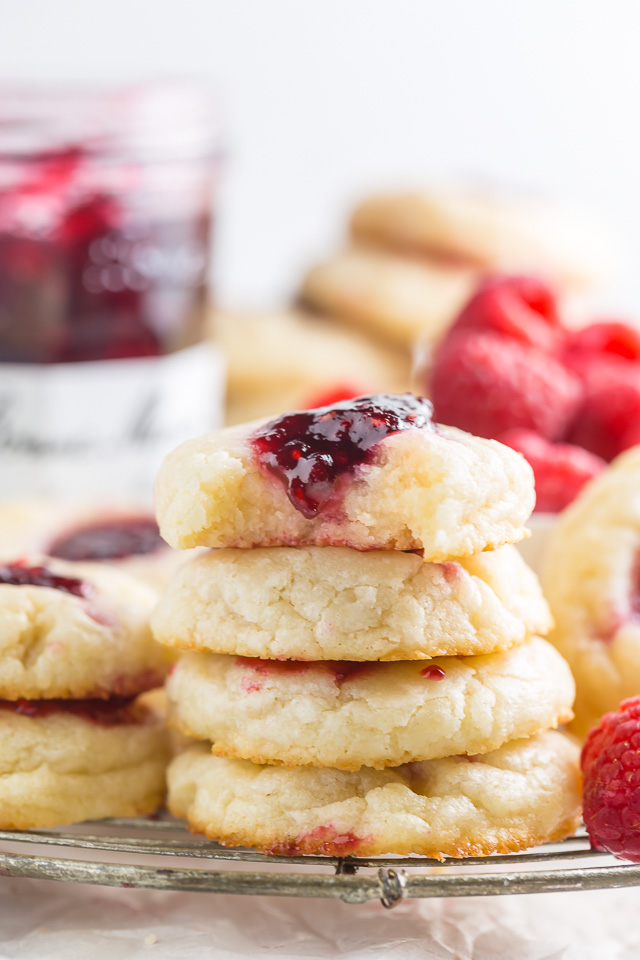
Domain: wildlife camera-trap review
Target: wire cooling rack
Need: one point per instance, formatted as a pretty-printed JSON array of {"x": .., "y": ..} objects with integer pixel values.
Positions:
[{"x": 160, "y": 854}]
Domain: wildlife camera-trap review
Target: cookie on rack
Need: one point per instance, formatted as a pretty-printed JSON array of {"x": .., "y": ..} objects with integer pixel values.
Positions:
[
  {"x": 348, "y": 715},
  {"x": 485, "y": 230},
  {"x": 591, "y": 577},
  {"x": 76, "y": 630},
  {"x": 388, "y": 296},
  {"x": 525, "y": 793},
  {"x": 331, "y": 603},
  {"x": 372, "y": 473},
  {"x": 65, "y": 761}
]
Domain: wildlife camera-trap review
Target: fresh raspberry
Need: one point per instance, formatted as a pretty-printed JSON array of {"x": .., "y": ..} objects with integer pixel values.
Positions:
[
  {"x": 487, "y": 384},
  {"x": 605, "y": 339},
  {"x": 523, "y": 308},
  {"x": 631, "y": 437},
  {"x": 611, "y": 765},
  {"x": 334, "y": 393},
  {"x": 560, "y": 469},
  {"x": 606, "y": 421}
]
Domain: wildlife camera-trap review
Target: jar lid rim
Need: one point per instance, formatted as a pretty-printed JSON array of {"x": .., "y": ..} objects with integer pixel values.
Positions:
[{"x": 167, "y": 119}]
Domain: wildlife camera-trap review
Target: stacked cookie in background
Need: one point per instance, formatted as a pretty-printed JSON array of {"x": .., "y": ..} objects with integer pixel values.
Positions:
[
  {"x": 366, "y": 671},
  {"x": 414, "y": 258},
  {"x": 75, "y": 654},
  {"x": 409, "y": 263},
  {"x": 591, "y": 575},
  {"x": 283, "y": 359}
]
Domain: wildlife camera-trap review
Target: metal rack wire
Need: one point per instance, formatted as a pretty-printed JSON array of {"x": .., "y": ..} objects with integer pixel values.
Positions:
[{"x": 571, "y": 865}]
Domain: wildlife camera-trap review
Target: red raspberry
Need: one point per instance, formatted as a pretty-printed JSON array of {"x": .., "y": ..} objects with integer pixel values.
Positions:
[
  {"x": 523, "y": 308},
  {"x": 334, "y": 393},
  {"x": 560, "y": 469},
  {"x": 611, "y": 765},
  {"x": 631, "y": 437},
  {"x": 607, "y": 419},
  {"x": 488, "y": 384},
  {"x": 605, "y": 339}
]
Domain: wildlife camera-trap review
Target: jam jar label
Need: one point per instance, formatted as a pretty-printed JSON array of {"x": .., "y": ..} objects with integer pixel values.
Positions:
[{"x": 102, "y": 428}]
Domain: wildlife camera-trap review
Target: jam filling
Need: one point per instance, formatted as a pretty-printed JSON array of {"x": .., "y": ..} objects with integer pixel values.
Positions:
[
  {"x": 434, "y": 672},
  {"x": 340, "y": 670},
  {"x": 109, "y": 540},
  {"x": 314, "y": 452},
  {"x": 105, "y": 713},
  {"x": 19, "y": 575},
  {"x": 325, "y": 839}
]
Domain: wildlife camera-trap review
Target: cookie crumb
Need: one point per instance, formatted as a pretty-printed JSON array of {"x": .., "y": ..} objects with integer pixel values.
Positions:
[{"x": 150, "y": 940}]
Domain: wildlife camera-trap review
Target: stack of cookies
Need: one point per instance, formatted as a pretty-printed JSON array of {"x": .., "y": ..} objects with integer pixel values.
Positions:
[
  {"x": 366, "y": 673},
  {"x": 75, "y": 653}
]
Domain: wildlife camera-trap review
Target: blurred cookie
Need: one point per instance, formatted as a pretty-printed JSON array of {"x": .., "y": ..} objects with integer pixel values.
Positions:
[
  {"x": 277, "y": 361},
  {"x": 124, "y": 535},
  {"x": 76, "y": 630},
  {"x": 68, "y": 761},
  {"x": 373, "y": 473},
  {"x": 331, "y": 603},
  {"x": 591, "y": 577},
  {"x": 348, "y": 715},
  {"x": 525, "y": 793},
  {"x": 389, "y": 296},
  {"x": 486, "y": 230}
]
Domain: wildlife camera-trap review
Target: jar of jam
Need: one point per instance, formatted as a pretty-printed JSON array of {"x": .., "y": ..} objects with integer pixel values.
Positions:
[{"x": 106, "y": 205}]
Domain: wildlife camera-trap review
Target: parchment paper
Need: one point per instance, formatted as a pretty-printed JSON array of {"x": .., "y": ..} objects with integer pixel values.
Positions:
[{"x": 42, "y": 920}]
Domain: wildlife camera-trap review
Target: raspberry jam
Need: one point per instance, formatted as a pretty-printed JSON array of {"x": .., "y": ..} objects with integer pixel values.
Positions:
[
  {"x": 105, "y": 221},
  {"x": 326, "y": 840},
  {"x": 433, "y": 672},
  {"x": 110, "y": 540},
  {"x": 19, "y": 575},
  {"x": 106, "y": 214},
  {"x": 340, "y": 670},
  {"x": 105, "y": 713},
  {"x": 314, "y": 452}
]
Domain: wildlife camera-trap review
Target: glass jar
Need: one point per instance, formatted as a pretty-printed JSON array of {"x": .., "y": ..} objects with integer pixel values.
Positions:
[{"x": 106, "y": 204}]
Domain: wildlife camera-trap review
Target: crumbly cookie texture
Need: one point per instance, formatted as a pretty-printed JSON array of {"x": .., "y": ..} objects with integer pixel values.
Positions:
[
  {"x": 591, "y": 576},
  {"x": 55, "y": 644},
  {"x": 346, "y": 715},
  {"x": 444, "y": 492},
  {"x": 333, "y": 603},
  {"x": 388, "y": 295},
  {"x": 63, "y": 768},
  {"x": 526, "y": 793},
  {"x": 485, "y": 230}
]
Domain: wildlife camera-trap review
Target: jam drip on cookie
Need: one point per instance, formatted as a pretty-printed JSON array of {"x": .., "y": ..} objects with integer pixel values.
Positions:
[
  {"x": 20, "y": 575},
  {"x": 339, "y": 670},
  {"x": 109, "y": 540},
  {"x": 105, "y": 713},
  {"x": 313, "y": 452}
]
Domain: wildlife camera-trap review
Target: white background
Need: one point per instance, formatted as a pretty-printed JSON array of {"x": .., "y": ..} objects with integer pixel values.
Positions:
[{"x": 324, "y": 99}]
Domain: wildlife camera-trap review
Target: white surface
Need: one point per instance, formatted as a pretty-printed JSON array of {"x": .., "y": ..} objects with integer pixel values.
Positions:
[
  {"x": 326, "y": 98},
  {"x": 45, "y": 921}
]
